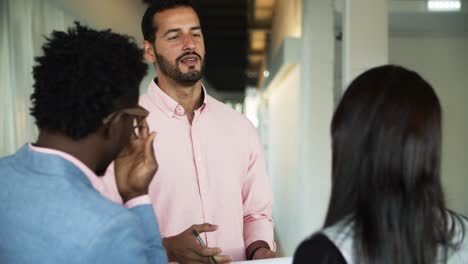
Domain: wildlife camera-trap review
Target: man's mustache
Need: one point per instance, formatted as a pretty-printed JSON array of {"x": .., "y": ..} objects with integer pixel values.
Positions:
[{"x": 188, "y": 53}]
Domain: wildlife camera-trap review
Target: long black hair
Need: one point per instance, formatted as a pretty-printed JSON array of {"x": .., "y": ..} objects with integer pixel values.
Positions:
[{"x": 386, "y": 140}]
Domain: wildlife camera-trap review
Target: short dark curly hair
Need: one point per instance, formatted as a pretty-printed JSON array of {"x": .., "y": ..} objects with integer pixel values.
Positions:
[
  {"x": 83, "y": 76},
  {"x": 156, "y": 6}
]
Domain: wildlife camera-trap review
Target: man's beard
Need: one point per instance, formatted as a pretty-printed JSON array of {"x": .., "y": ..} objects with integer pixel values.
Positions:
[{"x": 173, "y": 71}]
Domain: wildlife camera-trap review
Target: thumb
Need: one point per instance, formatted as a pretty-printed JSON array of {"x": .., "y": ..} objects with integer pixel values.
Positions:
[
  {"x": 206, "y": 227},
  {"x": 149, "y": 151}
]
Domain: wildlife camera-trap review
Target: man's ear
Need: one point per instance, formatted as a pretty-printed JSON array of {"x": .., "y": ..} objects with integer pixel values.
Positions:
[{"x": 149, "y": 52}]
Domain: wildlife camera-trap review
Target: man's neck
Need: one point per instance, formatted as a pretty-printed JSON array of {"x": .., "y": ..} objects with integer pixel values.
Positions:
[
  {"x": 189, "y": 97},
  {"x": 84, "y": 150}
]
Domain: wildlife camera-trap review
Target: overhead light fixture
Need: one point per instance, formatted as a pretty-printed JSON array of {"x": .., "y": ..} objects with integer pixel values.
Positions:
[{"x": 443, "y": 5}]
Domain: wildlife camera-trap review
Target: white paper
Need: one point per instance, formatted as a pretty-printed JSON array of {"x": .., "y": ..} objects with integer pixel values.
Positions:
[{"x": 267, "y": 261}]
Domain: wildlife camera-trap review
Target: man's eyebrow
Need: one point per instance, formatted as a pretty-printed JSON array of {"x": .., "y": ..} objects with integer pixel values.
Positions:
[
  {"x": 179, "y": 29},
  {"x": 171, "y": 30}
]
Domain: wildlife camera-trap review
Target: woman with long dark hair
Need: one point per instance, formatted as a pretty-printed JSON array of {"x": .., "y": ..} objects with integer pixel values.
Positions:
[{"x": 387, "y": 203}]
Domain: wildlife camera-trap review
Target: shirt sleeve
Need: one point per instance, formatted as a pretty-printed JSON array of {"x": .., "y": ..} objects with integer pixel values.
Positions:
[
  {"x": 128, "y": 237},
  {"x": 318, "y": 249},
  {"x": 137, "y": 201},
  {"x": 257, "y": 196}
]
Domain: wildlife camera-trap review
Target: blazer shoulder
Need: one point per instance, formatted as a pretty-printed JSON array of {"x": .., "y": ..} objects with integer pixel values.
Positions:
[{"x": 120, "y": 239}]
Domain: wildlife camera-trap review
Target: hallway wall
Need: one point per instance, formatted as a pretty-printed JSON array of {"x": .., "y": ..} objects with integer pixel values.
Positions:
[
  {"x": 283, "y": 159},
  {"x": 299, "y": 104},
  {"x": 286, "y": 23}
]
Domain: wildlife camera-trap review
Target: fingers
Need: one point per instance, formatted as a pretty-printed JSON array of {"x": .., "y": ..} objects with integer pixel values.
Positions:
[
  {"x": 204, "y": 255},
  {"x": 133, "y": 136},
  {"x": 193, "y": 257},
  {"x": 143, "y": 129},
  {"x": 223, "y": 259},
  {"x": 205, "y": 228},
  {"x": 206, "y": 251},
  {"x": 207, "y": 260}
]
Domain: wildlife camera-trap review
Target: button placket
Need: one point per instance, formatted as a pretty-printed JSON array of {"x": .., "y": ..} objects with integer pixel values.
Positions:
[
  {"x": 201, "y": 170},
  {"x": 199, "y": 165}
]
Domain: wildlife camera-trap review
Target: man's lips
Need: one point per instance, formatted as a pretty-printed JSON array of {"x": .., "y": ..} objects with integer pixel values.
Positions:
[{"x": 189, "y": 58}]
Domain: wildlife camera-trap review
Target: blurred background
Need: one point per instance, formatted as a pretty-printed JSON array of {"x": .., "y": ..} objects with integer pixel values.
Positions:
[{"x": 282, "y": 63}]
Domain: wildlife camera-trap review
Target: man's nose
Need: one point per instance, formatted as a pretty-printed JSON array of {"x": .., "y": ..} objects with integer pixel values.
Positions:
[{"x": 189, "y": 43}]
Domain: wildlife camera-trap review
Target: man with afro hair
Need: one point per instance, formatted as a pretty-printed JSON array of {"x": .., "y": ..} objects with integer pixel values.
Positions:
[{"x": 85, "y": 103}]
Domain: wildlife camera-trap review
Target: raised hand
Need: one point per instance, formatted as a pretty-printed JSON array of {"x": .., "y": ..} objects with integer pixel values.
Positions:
[{"x": 136, "y": 164}]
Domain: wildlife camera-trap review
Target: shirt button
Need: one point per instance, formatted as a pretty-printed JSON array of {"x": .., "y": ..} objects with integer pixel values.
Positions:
[{"x": 180, "y": 110}]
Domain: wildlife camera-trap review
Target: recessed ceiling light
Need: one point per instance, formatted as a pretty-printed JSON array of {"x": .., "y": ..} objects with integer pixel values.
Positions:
[{"x": 443, "y": 5}]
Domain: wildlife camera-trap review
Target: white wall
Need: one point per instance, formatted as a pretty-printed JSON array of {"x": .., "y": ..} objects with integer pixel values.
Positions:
[
  {"x": 122, "y": 16},
  {"x": 300, "y": 104},
  {"x": 23, "y": 25},
  {"x": 443, "y": 61},
  {"x": 286, "y": 23},
  {"x": 365, "y": 37},
  {"x": 279, "y": 129},
  {"x": 283, "y": 157}
]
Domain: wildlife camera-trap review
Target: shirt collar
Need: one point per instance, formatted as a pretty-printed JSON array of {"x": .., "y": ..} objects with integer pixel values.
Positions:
[
  {"x": 96, "y": 182},
  {"x": 169, "y": 105}
]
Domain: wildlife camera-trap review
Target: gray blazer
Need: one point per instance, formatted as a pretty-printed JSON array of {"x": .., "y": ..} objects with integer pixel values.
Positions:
[{"x": 50, "y": 213}]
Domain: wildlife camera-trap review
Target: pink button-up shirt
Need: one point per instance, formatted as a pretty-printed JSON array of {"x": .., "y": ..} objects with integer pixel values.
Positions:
[
  {"x": 96, "y": 182},
  {"x": 210, "y": 171}
]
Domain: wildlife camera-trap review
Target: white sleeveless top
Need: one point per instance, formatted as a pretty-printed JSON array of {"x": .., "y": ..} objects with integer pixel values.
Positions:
[{"x": 341, "y": 234}]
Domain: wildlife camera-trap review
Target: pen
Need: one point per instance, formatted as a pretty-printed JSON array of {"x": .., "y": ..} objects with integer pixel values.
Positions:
[{"x": 197, "y": 236}]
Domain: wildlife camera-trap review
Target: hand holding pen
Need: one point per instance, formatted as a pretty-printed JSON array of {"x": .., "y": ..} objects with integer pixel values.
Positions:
[
  {"x": 200, "y": 241},
  {"x": 186, "y": 248}
]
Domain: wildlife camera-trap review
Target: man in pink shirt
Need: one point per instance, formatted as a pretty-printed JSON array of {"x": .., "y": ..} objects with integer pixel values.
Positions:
[{"x": 211, "y": 166}]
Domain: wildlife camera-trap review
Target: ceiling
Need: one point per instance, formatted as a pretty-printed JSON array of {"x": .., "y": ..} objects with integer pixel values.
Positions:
[
  {"x": 225, "y": 30},
  {"x": 260, "y": 23}
]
